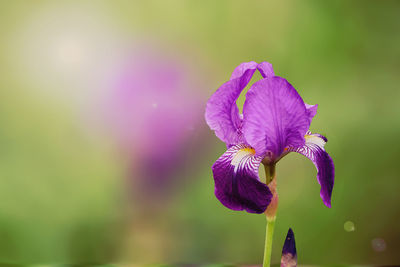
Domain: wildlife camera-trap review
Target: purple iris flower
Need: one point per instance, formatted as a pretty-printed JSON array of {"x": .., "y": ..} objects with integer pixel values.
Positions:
[
  {"x": 275, "y": 121},
  {"x": 289, "y": 254}
]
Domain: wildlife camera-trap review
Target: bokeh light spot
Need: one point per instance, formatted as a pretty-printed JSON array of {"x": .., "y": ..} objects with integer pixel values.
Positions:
[
  {"x": 349, "y": 226},
  {"x": 378, "y": 244}
]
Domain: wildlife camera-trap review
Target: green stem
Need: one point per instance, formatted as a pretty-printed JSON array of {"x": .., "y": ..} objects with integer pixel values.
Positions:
[
  {"x": 270, "y": 212},
  {"x": 268, "y": 242},
  {"x": 269, "y": 172}
]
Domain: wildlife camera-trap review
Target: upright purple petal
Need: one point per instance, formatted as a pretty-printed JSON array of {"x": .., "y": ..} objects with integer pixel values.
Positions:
[
  {"x": 222, "y": 113},
  {"x": 289, "y": 254},
  {"x": 266, "y": 70},
  {"x": 275, "y": 117},
  {"x": 312, "y": 110},
  {"x": 315, "y": 151},
  {"x": 241, "y": 69},
  {"x": 237, "y": 185}
]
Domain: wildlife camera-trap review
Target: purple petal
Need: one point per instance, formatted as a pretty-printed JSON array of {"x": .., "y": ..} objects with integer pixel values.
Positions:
[
  {"x": 312, "y": 110},
  {"x": 266, "y": 70},
  {"x": 314, "y": 150},
  {"x": 237, "y": 185},
  {"x": 222, "y": 113},
  {"x": 275, "y": 117},
  {"x": 242, "y": 68},
  {"x": 289, "y": 254}
]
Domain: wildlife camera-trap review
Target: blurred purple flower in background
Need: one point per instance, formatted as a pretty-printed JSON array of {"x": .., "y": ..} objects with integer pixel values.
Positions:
[
  {"x": 275, "y": 121},
  {"x": 153, "y": 111},
  {"x": 289, "y": 254}
]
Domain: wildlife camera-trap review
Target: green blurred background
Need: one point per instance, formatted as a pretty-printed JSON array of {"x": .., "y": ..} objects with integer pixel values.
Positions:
[{"x": 65, "y": 195}]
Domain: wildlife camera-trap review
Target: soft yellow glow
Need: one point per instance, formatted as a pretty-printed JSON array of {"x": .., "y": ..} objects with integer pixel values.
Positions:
[
  {"x": 71, "y": 52},
  {"x": 66, "y": 50}
]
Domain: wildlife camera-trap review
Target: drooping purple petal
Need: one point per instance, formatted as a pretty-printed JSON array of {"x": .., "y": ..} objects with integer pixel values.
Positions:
[
  {"x": 237, "y": 185},
  {"x": 312, "y": 110},
  {"x": 275, "y": 117},
  {"x": 289, "y": 254},
  {"x": 266, "y": 70},
  {"x": 222, "y": 113},
  {"x": 315, "y": 151}
]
